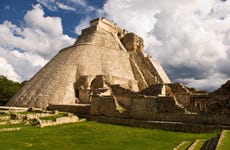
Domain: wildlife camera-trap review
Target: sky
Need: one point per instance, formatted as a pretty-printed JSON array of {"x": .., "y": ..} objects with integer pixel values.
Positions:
[{"x": 191, "y": 39}]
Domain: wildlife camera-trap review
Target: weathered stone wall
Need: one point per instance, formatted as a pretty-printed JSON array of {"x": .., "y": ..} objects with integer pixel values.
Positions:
[
  {"x": 172, "y": 126},
  {"x": 180, "y": 92},
  {"x": 178, "y": 88},
  {"x": 97, "y": 37},
  {"x": 97, "y": 61},
  {"x": 149, "y": 74},
  {"x": 48, "y": 86},
  {"x": 132, "y": 42},
  {"x": 153, "y": 109},
  {"x": 199, "y": 103},
  {"x": 152, "y": 90},
  {"x": 107, "y": 25},
  {"x": 152, "y": 63},
  {"x": 94, "y": 54},
  {"x": 123, "y": 96},
  {"x": 105, "y": 106},
  {"x": 219, "y": 104},
  {"x": 142, "y": 84},
  {"x": 135, "y": 107},
  {"x": 67, "y": 78},
  {"x": 183, "y": 98},
  {"x": 147, "y": 71},
  {"x": 76, "y": 109}
]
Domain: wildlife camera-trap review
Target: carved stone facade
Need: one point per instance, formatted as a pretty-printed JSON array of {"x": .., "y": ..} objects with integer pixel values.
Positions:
[
  {"x": 132, "y": 42},
  {"x": 102, "y": 56},
  {"x": 107, "y": 61},
  {"x": 107, "y": 73}
]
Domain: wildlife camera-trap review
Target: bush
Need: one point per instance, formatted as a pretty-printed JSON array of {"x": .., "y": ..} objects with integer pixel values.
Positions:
[{"x": 7, "y": 89}]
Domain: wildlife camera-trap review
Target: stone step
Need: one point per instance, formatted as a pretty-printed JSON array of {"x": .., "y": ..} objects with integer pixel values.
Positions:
[
  {"x": 221, "y": 139},
  {"x": 10, "y": 129},
  {"x": 3, "y": 122},
  {"x": 197, "y": 144},
  {"x": 211, "y": 143},
  {"x": 4, "y": 117},
  {"x": 183, "y": 145},
  {"x": 164, "y": 125}
]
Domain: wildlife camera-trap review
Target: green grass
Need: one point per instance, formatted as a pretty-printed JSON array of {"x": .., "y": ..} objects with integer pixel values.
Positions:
[
  {"x": 185, "y": 145},
  {"x": 93, "y": 135},
  {"x": 10, "y": 126},
  {"x": 4, "y": 115},
  {"x": 27, "y": 112},
  {"x": 225, "y": 144},
  {"x": 53, "y": 117},
  {"x": 4, "y": 120},
  {"x": 200, "y": 144}
]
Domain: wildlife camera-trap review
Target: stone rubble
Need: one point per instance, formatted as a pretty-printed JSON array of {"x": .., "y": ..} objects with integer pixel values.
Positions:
[{"x": 35, "y": 117}]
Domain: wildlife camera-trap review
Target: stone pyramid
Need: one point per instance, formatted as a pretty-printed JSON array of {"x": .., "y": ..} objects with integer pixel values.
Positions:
[{"x": 102, "y": 55}]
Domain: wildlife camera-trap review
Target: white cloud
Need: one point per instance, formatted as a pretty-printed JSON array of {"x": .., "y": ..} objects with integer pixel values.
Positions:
[
  {"x": 79, "y": 2},
  {"x": 223, "y": 65},
  {"x": 189, "y": 38},
  {"x": 55, "y": 5},
  {"x": 22, "y": 67},
  {"x": 27, "y": 48},
  {"x": 83, "y": 5},
  {"x": 65, "y": 7},
  {"x": 35, "y": 19},
  {"x": 6, "y": 7},
  {"x": 76, "y": 6},
  {"x": 49, "y": 4},
  {"x": 212, "y": 82},
  {"x": 7, "y": 70},
  {"x": 33, "y": 59},
  {"x": 82, "y": 25},
  {"x": 41, "y": 35}
]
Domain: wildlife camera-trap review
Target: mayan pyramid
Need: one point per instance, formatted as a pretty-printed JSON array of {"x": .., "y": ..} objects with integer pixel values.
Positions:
[{"x": 102, "y": 55}]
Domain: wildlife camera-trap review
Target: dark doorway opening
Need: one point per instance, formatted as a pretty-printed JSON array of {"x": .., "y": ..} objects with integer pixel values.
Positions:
[{"x": 77, "y": 93}]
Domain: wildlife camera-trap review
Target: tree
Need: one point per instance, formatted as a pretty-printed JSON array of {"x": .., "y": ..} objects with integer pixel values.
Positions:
[{"x": 8, "y": 88}]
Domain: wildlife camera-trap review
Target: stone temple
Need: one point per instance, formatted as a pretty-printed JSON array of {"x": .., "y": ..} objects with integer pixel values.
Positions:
[
  {"x": 102, "y": 56},
  {"x": 106, "y": 76}
]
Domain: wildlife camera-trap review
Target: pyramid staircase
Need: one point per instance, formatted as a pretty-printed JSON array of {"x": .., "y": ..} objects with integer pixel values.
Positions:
[{"x": 199, "y": 144}]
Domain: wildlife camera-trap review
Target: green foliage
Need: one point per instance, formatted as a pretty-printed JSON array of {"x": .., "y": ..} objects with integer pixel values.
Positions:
[
  {"x": 8, "y": 88},
  {"x": 93, "y": 135},
  {"x": 23, "y": 83}
]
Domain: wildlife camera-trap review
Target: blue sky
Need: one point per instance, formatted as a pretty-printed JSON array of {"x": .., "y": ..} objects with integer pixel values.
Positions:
[
  {"x": 13, "y": 11},
  {"x": 191, "y": 39}
]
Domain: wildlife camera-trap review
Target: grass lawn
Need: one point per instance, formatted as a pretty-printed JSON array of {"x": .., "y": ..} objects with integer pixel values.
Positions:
[
  {"x": 27, "y": 112},
  {"x": 53, "y": 117},
  {"x": 4, "y": 115},
  {"x": 199, "y": 144},
  {"x": 225, "y": 144},
  {"x": 185, "y": 145},
  {"x": 93, "y": 135}
]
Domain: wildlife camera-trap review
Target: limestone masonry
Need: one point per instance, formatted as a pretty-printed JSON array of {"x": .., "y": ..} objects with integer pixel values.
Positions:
[
  {"x": 106, "y": 73},
  {"x": 103, "y": 55}
]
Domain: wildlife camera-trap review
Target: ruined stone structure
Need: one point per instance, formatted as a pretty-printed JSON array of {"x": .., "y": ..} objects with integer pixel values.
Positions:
[
  {"x": 106, "y": 73},
  {"x": 103, "y": 55}
]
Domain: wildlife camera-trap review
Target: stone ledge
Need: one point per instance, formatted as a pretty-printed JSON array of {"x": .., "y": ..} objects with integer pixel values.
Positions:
[
  {"x": 10, "y": 129},
  {"x": 76, "y": 109},
  {"x": 172, "y": 126},
  {"x": 222, "y": 136}
]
